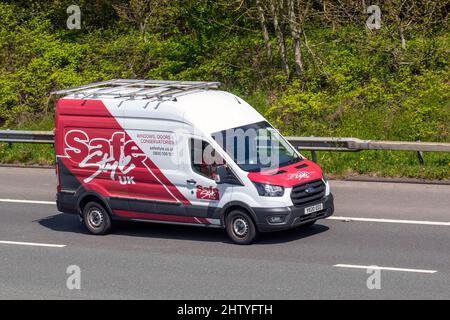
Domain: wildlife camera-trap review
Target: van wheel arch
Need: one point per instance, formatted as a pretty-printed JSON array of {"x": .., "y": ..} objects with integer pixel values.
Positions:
[
  {"x": 90, "y": 197},
  {"x": 237, "y": 206}
]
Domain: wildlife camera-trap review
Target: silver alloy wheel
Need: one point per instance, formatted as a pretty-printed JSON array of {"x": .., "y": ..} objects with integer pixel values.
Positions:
[
  {"x": 95, "y": 218},
  {"x": 240, "y": 227}
]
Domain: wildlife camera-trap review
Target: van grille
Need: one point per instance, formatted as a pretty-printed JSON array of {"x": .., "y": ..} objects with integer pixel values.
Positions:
[{"x": 316, "y": 191}]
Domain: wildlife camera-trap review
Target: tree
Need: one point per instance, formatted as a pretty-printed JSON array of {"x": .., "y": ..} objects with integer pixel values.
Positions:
[
  {"x": 404, "y": 15},
  {"x": 145, "y": 13},
  {"x": 296, "y": 16},
  {"x": 275, "y": 6},
  {"x": 262, "y": 22}
]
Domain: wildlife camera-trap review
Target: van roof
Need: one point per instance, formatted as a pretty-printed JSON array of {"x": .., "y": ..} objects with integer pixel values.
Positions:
[
  {"x": 192, "y": 102},
  {"x": 135, "y": 88}
]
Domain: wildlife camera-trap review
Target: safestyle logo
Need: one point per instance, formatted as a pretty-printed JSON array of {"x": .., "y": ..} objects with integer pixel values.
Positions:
[
  {"x": 115, "y": 156},
  {"x": 300, "y": 175},
  {"x": 207, "y": 193}
]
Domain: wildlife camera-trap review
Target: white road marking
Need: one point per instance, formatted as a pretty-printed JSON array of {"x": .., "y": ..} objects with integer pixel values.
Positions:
[
  {"x": 431, "y": 223},
  {"x": 27, "y": 201},
  {"x": 34, "y": 244},
  {"x": 383, "y": 268}
]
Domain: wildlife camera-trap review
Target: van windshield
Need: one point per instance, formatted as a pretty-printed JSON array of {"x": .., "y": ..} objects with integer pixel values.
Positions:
[{"x": 257, "y": 147}]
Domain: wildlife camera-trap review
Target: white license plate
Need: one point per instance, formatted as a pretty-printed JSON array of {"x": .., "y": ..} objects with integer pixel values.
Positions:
[{"x": 314, "y": 208}]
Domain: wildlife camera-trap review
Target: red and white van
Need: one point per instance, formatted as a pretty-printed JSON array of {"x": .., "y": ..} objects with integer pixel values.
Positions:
[{"x": 180, "y": 152}]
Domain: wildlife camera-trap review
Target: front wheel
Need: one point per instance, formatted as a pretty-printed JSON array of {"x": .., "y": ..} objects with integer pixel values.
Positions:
[
  {"x": 96, "y": 218},
  {"x": 240, "y": 227}
]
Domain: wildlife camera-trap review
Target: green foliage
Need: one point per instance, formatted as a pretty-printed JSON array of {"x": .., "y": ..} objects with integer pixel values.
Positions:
[
  {"x": 354, "y": 83},
  {"x": 360, "y": 91}
]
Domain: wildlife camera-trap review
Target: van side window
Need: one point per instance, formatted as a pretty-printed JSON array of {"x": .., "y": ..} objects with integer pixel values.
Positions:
[{"x": 204, "y": 158}]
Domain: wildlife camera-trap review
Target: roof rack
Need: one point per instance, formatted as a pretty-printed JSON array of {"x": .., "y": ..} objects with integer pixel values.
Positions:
[{"x": 132, "y": 88}]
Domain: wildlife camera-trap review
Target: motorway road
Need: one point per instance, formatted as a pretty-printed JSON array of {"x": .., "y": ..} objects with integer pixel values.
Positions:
[{"x": 153, "y": 261}]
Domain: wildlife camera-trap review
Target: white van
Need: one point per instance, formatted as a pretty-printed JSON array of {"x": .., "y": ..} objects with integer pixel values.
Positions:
[{"x": 180, "y": 152}]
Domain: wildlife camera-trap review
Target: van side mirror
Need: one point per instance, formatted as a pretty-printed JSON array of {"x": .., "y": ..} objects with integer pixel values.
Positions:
[{"x": 223, "y": 175}]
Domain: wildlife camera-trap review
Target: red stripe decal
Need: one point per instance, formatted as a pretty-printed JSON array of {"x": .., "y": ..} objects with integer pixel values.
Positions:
[{"x": 159, "y": 217}]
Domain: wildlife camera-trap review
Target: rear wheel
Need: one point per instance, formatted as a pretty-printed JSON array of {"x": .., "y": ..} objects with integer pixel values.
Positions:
[
  {"x": 240, "y": 227},
  {"x": 96, "y": 218}
]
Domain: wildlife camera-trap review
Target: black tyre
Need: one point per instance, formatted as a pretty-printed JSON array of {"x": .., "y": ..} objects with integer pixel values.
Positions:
[
  {"x": 240, "y": 227},
  {"x": 96, "y": 218}
]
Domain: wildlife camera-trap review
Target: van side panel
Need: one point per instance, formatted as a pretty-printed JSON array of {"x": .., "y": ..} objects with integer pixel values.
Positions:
[{"x": 93, "y": 148}]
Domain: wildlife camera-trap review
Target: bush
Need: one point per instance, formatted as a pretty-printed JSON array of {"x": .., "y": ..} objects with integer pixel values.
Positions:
[
  {"x": 357, "y": 94},
  {"x": 355, "y": 82}
]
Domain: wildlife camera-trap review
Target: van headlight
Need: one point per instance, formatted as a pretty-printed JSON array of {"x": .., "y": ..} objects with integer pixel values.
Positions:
[
  {"x": 327, "y": 185},
  {"x": 269, "y": 190}
]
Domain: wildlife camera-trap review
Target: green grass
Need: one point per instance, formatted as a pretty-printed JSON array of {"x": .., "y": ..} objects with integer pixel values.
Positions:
[
  {"x": 29, "y": 154},
  {"x": 385, "y": 164},
  {"x": 26, "y": 154}
]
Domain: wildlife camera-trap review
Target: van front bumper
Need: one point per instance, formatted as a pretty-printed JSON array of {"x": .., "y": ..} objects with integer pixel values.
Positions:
[{"x": 294, "y": 216}]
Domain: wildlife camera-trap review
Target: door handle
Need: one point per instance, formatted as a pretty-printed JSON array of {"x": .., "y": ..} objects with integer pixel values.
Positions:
[{"x": 191, "y": 181}]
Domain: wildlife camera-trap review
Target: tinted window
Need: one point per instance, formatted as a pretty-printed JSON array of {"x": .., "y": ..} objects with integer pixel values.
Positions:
[{"x": 204, "y": 158}]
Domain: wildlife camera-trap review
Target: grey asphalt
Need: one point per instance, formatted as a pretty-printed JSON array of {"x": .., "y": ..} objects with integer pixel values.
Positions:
[{"x": 152, "y": 261}]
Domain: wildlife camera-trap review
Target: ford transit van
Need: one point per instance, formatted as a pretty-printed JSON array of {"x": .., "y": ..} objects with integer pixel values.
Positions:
[{"x": 180, "y": 152}]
